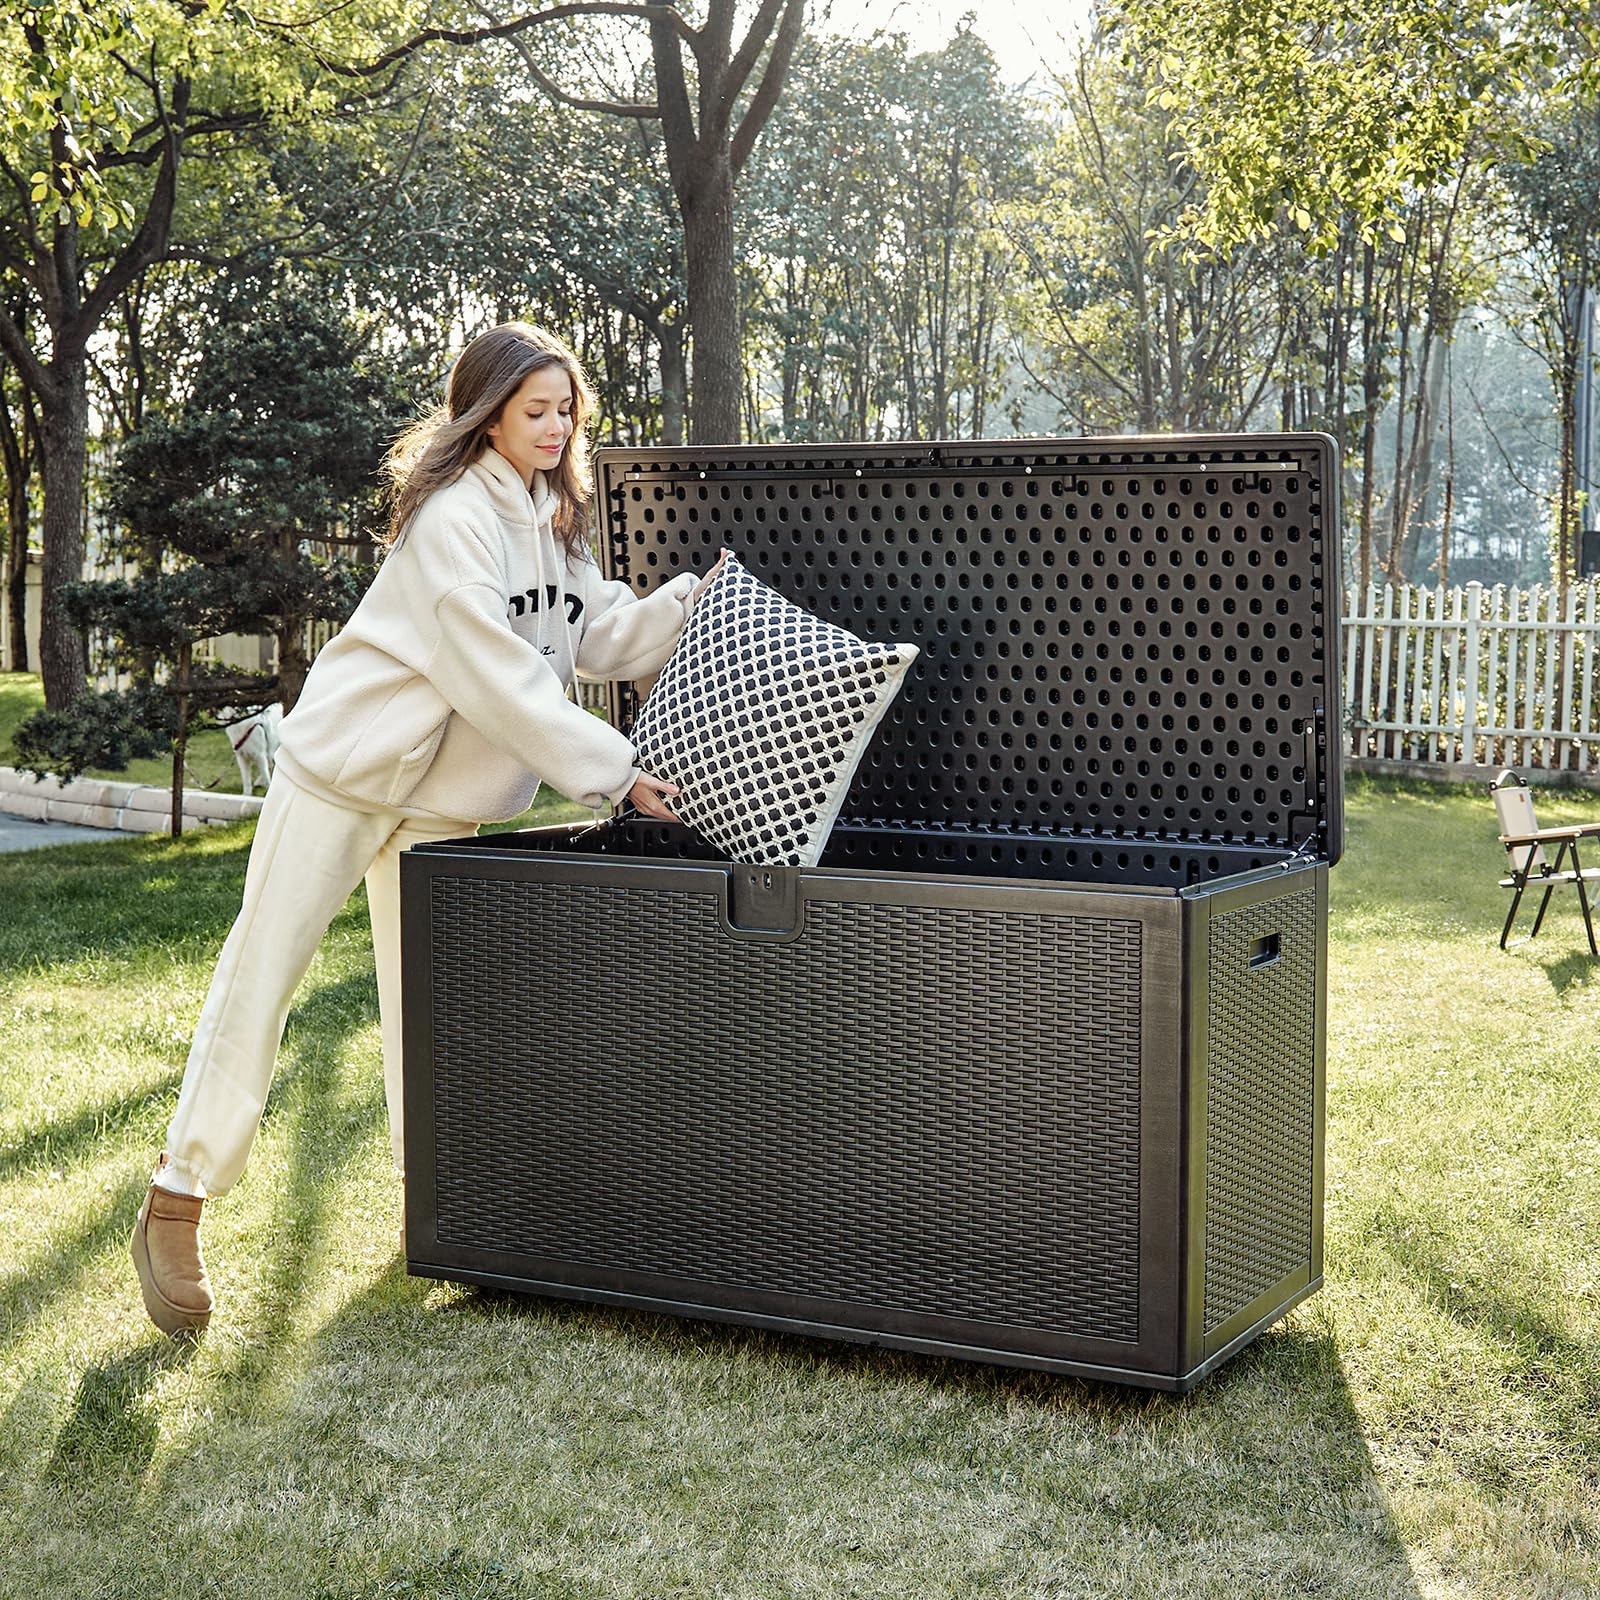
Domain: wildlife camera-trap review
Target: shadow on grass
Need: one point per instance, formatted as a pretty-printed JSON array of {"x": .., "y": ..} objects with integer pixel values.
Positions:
[
  {"x": 322, "y": 1023},
  {"x": 1574, "y": 970},
  {"x": 119, "y": 899},
  {"x": 60, "y": 1271},
  {"x": 90, "y": 1124},
  {"x": 1257, "y": 1485},
  {"x": 1556, "y": 1375},
  {"x": 323, "y": 1137},
  {"x": 112, "y": 1430},
  {"x": 1276, "y": 1430}
]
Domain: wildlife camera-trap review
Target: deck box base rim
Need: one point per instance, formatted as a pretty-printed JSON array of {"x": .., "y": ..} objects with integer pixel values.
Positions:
[{"x": 871, "y": 1338}]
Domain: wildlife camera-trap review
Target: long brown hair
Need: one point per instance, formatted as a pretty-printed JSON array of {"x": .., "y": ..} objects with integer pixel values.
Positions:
[{"x": 437, "y": 448}]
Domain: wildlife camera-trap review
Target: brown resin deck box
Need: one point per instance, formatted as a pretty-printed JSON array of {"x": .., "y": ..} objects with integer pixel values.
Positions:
[{"x": 1029, "y": 1069}]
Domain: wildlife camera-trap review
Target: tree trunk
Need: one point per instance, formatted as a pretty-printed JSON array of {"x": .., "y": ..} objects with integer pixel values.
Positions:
[
  {"x": 1334, "y": 392},
  {"x": 1419, "y": 470},
  {"x": 1449, "y": 473},
  {"x": 293, "y": 663},
  {"x": 1371, "y": 381},
  {"x": 1291, "y": 346},
  {"x": 63, "y": 653},
  {"x": 17, "y": 596},
  {"x": 180, "y": 743},
  {"x": 1144, "y": 358},
  {"x": 1566, "y": 487},
  {"x": 1397, "y": 481},
  {"x": 713, "y": 305},
  {"x": 674, "y": 382},
  {"x": 75, "y": 312},
  {"x": 19, "y": 467}
]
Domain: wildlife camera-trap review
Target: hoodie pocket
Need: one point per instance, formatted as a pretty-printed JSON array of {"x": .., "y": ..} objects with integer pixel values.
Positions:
[{"x": 413, "y": 764}]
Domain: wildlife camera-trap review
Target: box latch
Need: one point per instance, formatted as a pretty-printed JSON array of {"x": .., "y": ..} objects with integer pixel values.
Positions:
[{"x": 764, "y": 899}]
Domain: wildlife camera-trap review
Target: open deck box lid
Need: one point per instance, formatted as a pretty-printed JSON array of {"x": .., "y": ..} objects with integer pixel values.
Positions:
[{"x": 1123, "y": 639}]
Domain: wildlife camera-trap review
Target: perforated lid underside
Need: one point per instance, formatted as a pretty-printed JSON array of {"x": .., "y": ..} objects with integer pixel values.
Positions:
[{"x": 1120, "y": 637}]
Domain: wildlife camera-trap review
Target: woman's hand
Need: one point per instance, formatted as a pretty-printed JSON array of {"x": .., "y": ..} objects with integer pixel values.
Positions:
[
  {"x": 651, "y": 796},
  {"x": 705, "y": 583}
]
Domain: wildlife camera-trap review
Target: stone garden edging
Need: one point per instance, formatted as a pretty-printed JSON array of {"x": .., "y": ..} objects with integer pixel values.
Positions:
[{"x": 132, "y": 807}]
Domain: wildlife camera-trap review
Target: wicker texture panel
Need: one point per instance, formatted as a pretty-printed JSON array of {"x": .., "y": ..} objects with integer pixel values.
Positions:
[
  {"x": 923, "y": 1109},
  {"x": 1261, "y": 1069}
]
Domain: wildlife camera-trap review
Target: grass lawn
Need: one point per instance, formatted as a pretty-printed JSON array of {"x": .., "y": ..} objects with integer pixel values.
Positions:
[
  {"x": 209, "y": 756},
  {"x": 1429, "y": 1425}
]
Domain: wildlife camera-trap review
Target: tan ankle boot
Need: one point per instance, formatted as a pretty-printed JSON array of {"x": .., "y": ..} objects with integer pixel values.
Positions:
[{"x": 166, "y": 1255}]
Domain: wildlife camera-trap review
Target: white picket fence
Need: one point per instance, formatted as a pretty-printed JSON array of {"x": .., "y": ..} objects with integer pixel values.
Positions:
[{"x": 1473, "y": 678}]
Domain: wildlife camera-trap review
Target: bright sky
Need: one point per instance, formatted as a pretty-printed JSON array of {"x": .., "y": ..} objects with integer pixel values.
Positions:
[{"x": 1027, "y": 36}]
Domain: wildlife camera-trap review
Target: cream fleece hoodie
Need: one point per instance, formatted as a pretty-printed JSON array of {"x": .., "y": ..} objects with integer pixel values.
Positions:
[{"x": 445, "y": 695}]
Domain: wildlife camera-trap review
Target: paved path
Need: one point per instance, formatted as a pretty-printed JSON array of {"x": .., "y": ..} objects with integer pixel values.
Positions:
[{"x": 23, "y": 833}]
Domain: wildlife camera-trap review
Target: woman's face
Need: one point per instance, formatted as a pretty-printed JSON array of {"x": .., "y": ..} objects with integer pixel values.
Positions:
[{"x": 534, "y": 425}]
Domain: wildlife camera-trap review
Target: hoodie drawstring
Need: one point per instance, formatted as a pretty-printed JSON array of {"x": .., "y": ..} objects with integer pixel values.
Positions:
[{"x": 542, "y": 528}]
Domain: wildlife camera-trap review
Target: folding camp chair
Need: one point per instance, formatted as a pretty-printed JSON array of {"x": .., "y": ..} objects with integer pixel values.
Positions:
[{"x": 1525, "y": 840}]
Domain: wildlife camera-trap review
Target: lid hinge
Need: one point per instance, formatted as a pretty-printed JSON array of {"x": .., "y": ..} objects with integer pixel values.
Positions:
[{"x": 1312, "y": 824}]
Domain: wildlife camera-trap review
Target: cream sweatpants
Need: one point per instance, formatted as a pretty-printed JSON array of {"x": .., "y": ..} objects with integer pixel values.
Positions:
[{"x": 308, "y": 855}]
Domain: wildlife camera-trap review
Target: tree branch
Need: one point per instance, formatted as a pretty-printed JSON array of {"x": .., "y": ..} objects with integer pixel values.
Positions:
[
  {"x": 677, "y": 119},
  {"x": 12, "y": 260},
  {"x": 1266, "y": 374},
  {"x": 388, "y": 199},
  {"x": 206, "y": 123},
  {"x": 716, "y": 34},
  {"x": 25, "y": 198},
  {"x": 614, "y": 108},
  {"x": 34, "y": 373},
  {"x": 120, "y": 416},
  {"x": 149, "y": 242},
  {"x": 207, "y": 258},
  {"x": 11, "y": 446},
  {"x": 133, "y": 72},
  {"x": 304, "y": 22},
  {"x": 771, "y": 85},
  {"x": 646, "y": 313},
  {"x": 716, "y": 37},
  {"x": 1494, "y": 438},
  {"x": 742, "y": 64},
  {"x": 280, "y": 244},
  {"x": 33, "y": 434},
  {"x": 1059, "y": 318},
  {"x": 665, "y": 15},
  {"x": 203, "y": 122}
]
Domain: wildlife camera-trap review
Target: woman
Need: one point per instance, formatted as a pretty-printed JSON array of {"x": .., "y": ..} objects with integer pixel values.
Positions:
[{"x": 441, "y": 704}]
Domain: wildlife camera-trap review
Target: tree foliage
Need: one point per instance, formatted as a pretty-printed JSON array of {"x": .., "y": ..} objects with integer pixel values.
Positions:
[
  {"x": 1225, "y": 217},
  {"x": 1127, "y": 323},
  {"x": 106, "y": 730},
  {"x": 263, "y": 486},
  {"x": 517, "y": 208},
  {"x": 244, "y": 511},
  {"x": 1555, "y": 205},
  {"x": 876, "y": 271},
  {"x": 108, "y": 104},
  {"x": 1316, "y": 111}
]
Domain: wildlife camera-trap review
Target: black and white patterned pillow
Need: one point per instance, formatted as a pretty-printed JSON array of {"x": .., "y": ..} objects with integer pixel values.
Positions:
[{"x": 761, "y": 716}]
